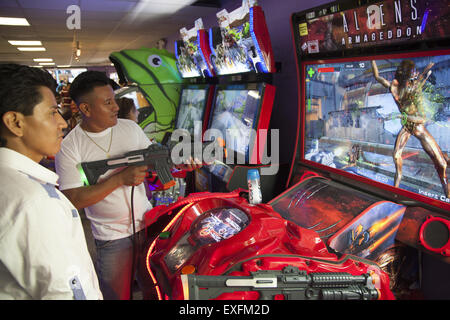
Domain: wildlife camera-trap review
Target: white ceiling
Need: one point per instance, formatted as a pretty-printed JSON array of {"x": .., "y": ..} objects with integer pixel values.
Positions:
[{"x": 106, "y": 26}]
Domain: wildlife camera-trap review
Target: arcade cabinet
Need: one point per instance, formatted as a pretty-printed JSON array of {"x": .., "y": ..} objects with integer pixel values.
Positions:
[
  {"x": 371, "y": 176},
  {"x": 217, "y": 245},
  {"x": 193, "y": 107},
  {"x": 242, "y": 58}
]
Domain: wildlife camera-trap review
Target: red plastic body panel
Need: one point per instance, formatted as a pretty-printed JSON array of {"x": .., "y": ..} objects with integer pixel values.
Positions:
[
  {"x": 257, "y": 150},
  {"x": 445, "y": 249},
  {"x": 203, "y": 40},
  {"x": 268, "y": 242},
  {"x": 263, "y": 38}
]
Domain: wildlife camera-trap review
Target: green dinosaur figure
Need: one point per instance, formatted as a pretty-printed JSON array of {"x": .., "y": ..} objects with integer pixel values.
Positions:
[{"x": 154, "y": 71}]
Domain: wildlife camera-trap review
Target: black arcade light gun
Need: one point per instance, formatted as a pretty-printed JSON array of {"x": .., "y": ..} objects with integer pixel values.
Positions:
[
  {"x": 292, "y": 283},
  {"x": 156, "y": 156}
]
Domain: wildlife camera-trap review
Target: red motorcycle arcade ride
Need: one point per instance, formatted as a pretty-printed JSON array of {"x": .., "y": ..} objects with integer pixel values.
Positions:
[{"x": 218, "y": 246}]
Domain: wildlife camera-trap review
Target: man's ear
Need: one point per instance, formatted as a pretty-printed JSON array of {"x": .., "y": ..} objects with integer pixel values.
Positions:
[
  {"x": 85, "y": 109},
  {"x": 14, "y": 122}
]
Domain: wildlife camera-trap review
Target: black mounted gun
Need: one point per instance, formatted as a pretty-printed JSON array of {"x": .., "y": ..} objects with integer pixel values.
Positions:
[
  {"x": 292, "y": 283},
  {"x": 157, "y": 157}
]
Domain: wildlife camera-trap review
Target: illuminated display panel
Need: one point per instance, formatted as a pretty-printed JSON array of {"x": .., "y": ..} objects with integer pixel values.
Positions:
[
  {"x": 234, "y": 44},
  {"x": 235, "y": 114},
  {"x": 192, "y": 52},
  {"x": 189, "y": 62},
  {"x": 192, "y": 109},
  {"x": 387, "y": 22},
  {"x": 351, "y": 122},
  {"x": 211, "y": 227}
]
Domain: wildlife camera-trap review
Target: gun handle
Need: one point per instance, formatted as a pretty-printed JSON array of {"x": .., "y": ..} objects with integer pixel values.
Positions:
[
  {"x": 164, "y": 174},
  {"x": 265, "y": 295},
  {"x": 93, "y": 170}
]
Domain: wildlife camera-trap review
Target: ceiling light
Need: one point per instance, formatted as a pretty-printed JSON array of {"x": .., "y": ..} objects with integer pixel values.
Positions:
[
  {"x": 64, "y": 66},
  {"x": 31, "y": 48},
  {"x": 43, "y": 59},
  {"x": 47, "y": 63},
  {"x": 25, "y": 42},
  {"x": 8, "y": 21},
  {"x": 159, "y": 8},
  {"x": 78, "y": 50}
]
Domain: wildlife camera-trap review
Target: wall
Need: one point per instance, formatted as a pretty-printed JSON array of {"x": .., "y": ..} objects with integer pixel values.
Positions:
[
  {"x": 278, "y": 18},
  {"x": 107, "y": 69}
]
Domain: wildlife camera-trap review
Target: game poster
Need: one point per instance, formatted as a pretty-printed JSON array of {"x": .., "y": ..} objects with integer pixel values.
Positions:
[
  {"x": 233, "y": 47},
  {"x": 190, "y": 62},
  {"x": 381, "y": 23}
]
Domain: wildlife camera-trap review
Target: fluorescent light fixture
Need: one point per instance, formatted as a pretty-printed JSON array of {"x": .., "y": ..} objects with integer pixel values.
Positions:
[
  {"x": 43, "y": 60},
  {"x": 8, "y": 21},
  {"x": 64, "y": 66},
  {"x": 31, "y": 48},
  {"x": 47, "y": 63},
  {"x": 158, "y": 8},
  {"x": 25, "y": 42}
]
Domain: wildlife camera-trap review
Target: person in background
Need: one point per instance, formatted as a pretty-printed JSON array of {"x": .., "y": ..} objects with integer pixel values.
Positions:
[
  {"x": 108, "y": 203},
  {"x": 43, "y": 251},
  {"x": 127, "y": 109}
]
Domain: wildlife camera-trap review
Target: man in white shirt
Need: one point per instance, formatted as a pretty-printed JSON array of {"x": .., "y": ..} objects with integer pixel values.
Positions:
[
  {"x": 43, "y": 251},
  {"x": 108, "y": 205}
]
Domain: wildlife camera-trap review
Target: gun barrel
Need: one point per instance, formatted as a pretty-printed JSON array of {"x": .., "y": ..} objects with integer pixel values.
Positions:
[
  {"x": 351, "y": 293},
  {"x": 318, "y": 280}
]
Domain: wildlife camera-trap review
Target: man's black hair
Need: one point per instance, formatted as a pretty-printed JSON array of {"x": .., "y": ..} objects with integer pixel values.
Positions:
[
  {"x": 126, "y": 105},
  {"x": 19, "y": 89},
  {"x": 85, "y": 83}
]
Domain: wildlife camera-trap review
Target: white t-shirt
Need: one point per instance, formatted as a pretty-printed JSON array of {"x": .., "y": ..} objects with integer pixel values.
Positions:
[
  {"x": 43, "y": 251},
  {"x": 111, "y": 217}
]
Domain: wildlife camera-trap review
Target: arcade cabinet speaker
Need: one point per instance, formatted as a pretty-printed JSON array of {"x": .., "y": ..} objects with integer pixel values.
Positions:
[{"x": 434, "y": 235}]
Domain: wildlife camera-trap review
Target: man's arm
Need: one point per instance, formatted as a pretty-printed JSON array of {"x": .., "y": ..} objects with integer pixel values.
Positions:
[
  {"x": 83, "y": 197},
  {"x": 381, "y": 80}
]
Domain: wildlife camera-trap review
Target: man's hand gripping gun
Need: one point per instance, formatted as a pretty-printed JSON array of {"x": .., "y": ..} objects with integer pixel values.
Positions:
[{"x": 290, "y": 282}]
